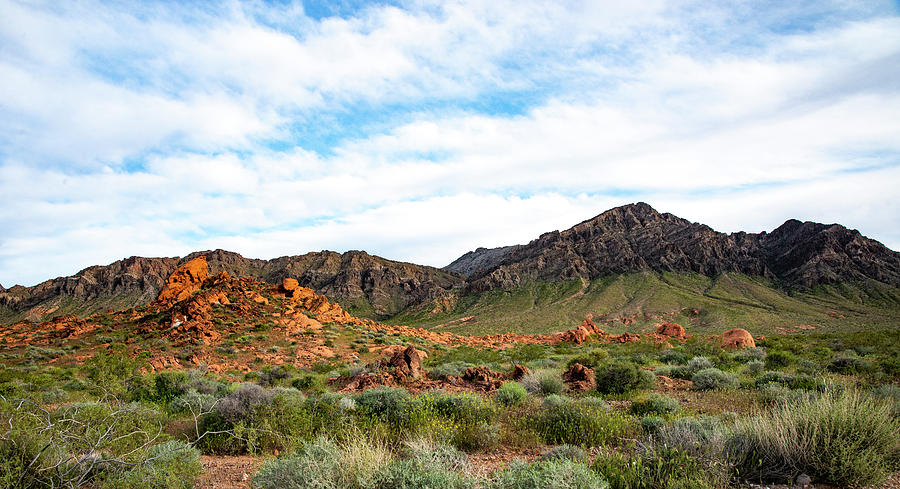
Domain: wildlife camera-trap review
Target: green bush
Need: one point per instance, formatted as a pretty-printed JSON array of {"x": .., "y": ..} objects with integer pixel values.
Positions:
[
  {"x": 543, "y": 382},
  {"x": 565, "y": 452},
  {"x": 779, "y": 359},
  {"x": 621, "y": 377},
  {"x": 658, "y": 469},
  {"x": 652, "y": 424},
  {"x": 385, "y": 403},
  {"x": 169, "y": 465},
  {"x": 317, "y": 465},
  {"x": 579, "y": 423},
  {"x": 556, "y": 474},
  {"x": 841, "y": 439},
  {"x": 849, "y": 365},
  {"x": 591, "y": 359},
  {"x": 713, "y": 379},
  {"x": 428, "y": 466},
  {"x": 511, "y": 394},
  {"x": 699, "y": 363},
  {"x": 654, "y": 404}
]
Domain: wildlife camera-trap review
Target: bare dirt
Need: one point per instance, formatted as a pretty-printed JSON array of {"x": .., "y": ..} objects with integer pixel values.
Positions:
[{"x": 227, "y": 472}]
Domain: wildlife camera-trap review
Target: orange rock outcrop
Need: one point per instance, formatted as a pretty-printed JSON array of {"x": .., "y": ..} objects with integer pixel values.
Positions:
[
  {"x": 737, "y": 338},
  {"x": 184, "y": 281}
]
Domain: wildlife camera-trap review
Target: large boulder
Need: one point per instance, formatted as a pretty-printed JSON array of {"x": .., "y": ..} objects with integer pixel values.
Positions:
[
  {"x": 483, "y": 377},
  {"x": 671, "y": 330},
  {"x": 737, "y": 338},
  {"x": 408, "y": 363},
  {"x": 579, "y": 378},
  {"x": 519, "y": 371},
  {"x": 184, "y": 281}
]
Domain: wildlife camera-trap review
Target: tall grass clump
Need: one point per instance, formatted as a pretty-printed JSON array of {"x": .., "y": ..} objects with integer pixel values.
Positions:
[
  {"x": 511, "y": 394},
  {"x": 621, "y": 377},
  {"x": 323, "y": 464},
  {"x": 557, "y": 474},
  {"x": 843, "y": 439},
  {"x": 580, "y": 423},
  {"x": 666, "y": 468}
]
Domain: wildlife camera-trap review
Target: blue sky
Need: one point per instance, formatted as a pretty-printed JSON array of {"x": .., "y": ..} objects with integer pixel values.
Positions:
[{"x": 420, "y": 130}]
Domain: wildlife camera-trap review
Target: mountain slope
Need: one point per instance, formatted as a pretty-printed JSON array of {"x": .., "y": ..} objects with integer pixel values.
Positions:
[
  {"x": 364, "y": 284},
  {"x": 636, "y": 238}
]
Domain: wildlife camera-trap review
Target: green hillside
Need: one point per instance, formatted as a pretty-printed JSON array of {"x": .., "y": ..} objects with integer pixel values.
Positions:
[{"x": 727, "y": 301}]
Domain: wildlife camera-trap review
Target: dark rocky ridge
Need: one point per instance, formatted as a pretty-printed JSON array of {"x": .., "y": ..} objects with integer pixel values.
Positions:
[
  {"x": 480, "y": 259},
  {"x": 356, "y": 279},
  {"x": 636, "y": 237}
]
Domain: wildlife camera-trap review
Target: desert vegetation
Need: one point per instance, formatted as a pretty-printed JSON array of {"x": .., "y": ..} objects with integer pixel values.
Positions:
[{"x": 689, "y": 414}]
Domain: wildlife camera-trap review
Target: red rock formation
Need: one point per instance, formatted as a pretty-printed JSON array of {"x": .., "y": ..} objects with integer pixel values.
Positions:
[
  {"x": 407, "y": 364},
  {"x": 184, "y": 281},
  {"x": 579, "y": 378},
  {"x": 737, "y": 338},
  {"x": 483, "y": 378},
  {"x": 671, "y": 330},
  {"x": 519, "y": 371}
]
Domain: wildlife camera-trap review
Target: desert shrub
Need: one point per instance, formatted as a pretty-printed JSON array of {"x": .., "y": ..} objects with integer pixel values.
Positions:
[
  {"x": 652, "y": 424},
  {"x": 579, "y": 423},
  {"x": 554, "y": 400},
  {"x": 169, "y": 385},
  {"x": 591, "y": 359},
  {"x": 193, "y": 402},
  {"x": 712, "y": 379},
  {"x": 427, "y": 466},
  {"x": 842, "y": 439},
  {"x": 754, "y": 367},
  {"x": 673, "y": 357},
  {"x": 273, "y": 375},
  {"x": 169, "y": 465},
  {"x": 565, "y": 452},
  {"x": 675, "y": 372},
  {"x": 316, "y": 465},
  {"x": 511, "y": 394},
  {"x": 449, "y": 369},
  {"x": 559, "y": 473},
  {"x": 466, "y": 408},
  {"x": 654, "y": 404},
  {"x": 779, "y": 359},
  {"x": 309, "y": 383},
  {"x": 463, "y": 420},
  {"x": 620, "y": 377},
  {"x": 545, "y": 382},
  {"x": 240, "y": 404},
  {"x": 663, "y": 468},
  {"x": 409, "y": 474},
  {"x": 699, "y": 363},
  {"x": 891, "y": 394},
  {"x": 748, "y": 355},
  {"x": 385, "y": 403},
  {"x": 843, "y": 364}
]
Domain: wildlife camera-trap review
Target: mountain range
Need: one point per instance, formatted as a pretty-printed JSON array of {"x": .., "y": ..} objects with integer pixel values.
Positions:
[{"x": 794, "y": 260}]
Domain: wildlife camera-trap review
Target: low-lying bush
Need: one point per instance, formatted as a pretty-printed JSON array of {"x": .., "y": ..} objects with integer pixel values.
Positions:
[
  {"x": 841, "y": 439},
  {"x": 657, "y": 469},
  {"x": 580, "y": 423},
  {"x": 557, "y": 474},
  {"x": 169, "y": 465},
  {"x": 621, "y": 377},
  {"x": 712, "y": 379},
  {"x": 511, "y": 394},
  {"x": 654, "y": 404},
  {"x": 545, "y": 382}
]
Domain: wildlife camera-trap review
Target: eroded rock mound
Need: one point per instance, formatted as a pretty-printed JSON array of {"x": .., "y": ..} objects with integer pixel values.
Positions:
[
  {"x": 519, "y": 371},
  {"x": 184, "y": 281},
  {"x": 737, "y": 338},
  {"x": 579, "y": 378},
  {"x": 407, "y": 364},
  {"x": 671, "y": 330},
  {"x": 483, "y": 378},
  {"x": 580, "y": 334}
]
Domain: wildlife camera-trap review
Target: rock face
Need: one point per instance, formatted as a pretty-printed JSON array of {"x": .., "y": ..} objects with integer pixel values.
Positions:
[
  {"x": 737, "y": 338},
  {"x": 184, "y": 281},
  {"x": 375, "y": 286},
  {"x": 408, "y": 363},
  {"x": 636, "y": 237}
]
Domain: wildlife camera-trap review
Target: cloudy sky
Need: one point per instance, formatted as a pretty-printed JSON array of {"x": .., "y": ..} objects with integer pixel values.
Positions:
[{"x": 419, "y": 130}]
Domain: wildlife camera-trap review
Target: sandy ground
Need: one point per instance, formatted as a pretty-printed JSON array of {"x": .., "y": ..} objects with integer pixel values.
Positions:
[{"x": 227, "y": 472}]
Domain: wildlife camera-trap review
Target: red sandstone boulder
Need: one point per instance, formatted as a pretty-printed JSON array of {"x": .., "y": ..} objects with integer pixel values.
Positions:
[
  {"x": 737, "y": 338},
  {"x": 579, "y": 378},
  {"x": 519, "y": 371},
  {"x": 184, "y": 281},
  {"x": 671, "y": 330}
]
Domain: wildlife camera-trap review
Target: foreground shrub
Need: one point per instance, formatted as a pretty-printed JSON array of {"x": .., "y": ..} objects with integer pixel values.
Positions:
[
  {"x": 654, "y": 404},
  {"x": 170, "y": 465},
  {"x": 428, "y": 466},
  {"x": 842, "y": 439},
  {"x": 556, "y": 474},
  {"x": 543, "y": 382},
  {"x": 240, "y": 404},
  {"x": 579, "y": 423},
  {"x": 511, "y": 394},
  {"x": 323, "y": 464},
  {"x": 846, "y": 365},
  {"x": 621, "y": 377},
  {"x": 658, "y": 469},
  {"x": 385, "y": 403},
  {"x": 713, "y": 379},
  {"x": 565, "y": 452}
]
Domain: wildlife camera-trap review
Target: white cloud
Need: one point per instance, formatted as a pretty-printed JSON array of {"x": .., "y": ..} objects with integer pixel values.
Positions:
[{"x": 150, "y": 132}]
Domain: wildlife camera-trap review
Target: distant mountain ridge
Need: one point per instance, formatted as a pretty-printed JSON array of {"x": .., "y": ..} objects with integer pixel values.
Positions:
[
  {"x": 626, "y": 239},
  {"x": 636, "y": 237}
]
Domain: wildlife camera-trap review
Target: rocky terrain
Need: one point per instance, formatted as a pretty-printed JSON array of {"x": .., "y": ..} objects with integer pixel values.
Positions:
[
  {"x": 368, "y": 285},
  {"x": 628, "y": 239},
  {"x": 636, "y": 237}
]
